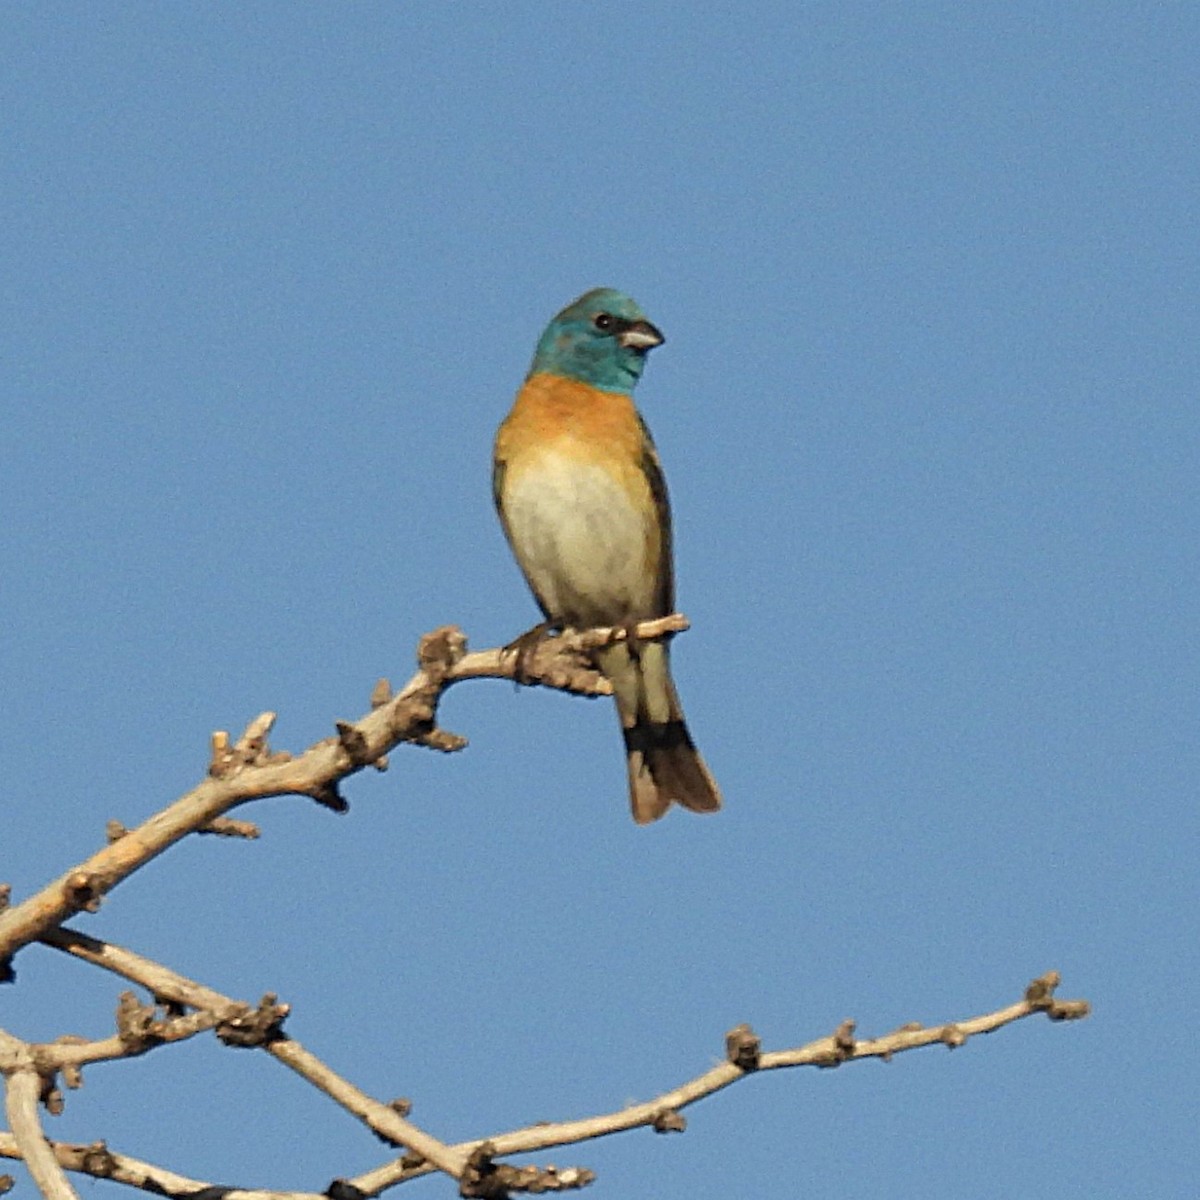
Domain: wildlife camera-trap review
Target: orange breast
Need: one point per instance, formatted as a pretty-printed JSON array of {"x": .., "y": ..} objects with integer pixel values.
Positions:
[
  {"x": 577, "y": 505},
  {"x": 572, "y": 418}
]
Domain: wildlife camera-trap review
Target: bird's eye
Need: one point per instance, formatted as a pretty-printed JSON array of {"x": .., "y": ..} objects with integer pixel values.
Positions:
[{"x": 603, "y": 322}]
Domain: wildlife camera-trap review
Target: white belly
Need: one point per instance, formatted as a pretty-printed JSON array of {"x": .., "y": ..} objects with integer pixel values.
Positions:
[{"x": 581, "y": 543}]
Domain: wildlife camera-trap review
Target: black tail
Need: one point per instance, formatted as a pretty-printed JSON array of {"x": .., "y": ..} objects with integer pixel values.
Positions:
[{"x": 666, "y": 767}]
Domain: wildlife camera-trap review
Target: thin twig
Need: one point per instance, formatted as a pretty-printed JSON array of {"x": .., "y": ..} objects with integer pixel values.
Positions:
[
  {"x": 98, "y": 1161},
  {"x": 155, "y": 1031},
  {"x": 247, "y": 769},
  {"x": 661, "y": 1113},
  {"x": 168, "y": 985},
  {"x": 743, "y": 1057}
]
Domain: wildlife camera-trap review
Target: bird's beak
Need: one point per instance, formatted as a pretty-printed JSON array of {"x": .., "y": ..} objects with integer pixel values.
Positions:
[{"x": 640, "y": 335}]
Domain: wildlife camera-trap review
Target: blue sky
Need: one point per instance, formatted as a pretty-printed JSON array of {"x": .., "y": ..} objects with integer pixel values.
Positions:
[{"x": 928, "y": 276}]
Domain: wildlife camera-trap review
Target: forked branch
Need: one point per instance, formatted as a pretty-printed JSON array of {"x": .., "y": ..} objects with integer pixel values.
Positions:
[
  {"x": 483, "y": 1174},
  {"x": 249, "y": 770}
]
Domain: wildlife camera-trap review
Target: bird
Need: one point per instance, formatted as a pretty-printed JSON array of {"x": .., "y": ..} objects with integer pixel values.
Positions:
[{"x": 580, "y": 492}]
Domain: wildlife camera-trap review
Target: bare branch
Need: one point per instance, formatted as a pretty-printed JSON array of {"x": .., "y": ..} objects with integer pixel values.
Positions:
[
  {"x": 478, "y": 1171},
  {"x": 23, "y": 1088},
  {"x": 662, "y": 1113},
  {"x": 490, "y": 1180},
  {"x": 240, "y": 1024},
  {"x": 231, "y": 827},
  {"x": 160, "y": 981},
  {"x": 248, "y": 770},
  {"x": 141, "y": 1028},
  {"x": 98, "y": 1161}
]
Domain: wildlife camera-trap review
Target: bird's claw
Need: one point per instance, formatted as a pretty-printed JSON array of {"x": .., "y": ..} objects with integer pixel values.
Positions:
[
  {"x": 524, "y": 647},
  {"x": 633, "y": 642}
]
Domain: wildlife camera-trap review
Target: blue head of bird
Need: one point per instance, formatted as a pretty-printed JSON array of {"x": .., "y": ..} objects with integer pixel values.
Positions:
[{"x": 601, "y": 339}]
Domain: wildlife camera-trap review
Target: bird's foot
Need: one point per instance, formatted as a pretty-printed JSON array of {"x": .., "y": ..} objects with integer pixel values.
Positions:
[
  {"x": 632, "y": 641},
  {"x": 524, "y": 647}
]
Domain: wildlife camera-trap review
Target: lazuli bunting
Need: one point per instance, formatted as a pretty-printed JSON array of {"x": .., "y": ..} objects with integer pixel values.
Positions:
[{"x": 583, "y": 502}]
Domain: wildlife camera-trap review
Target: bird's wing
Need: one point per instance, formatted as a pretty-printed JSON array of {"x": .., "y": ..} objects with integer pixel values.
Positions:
[{"x": 664, "y": 592}]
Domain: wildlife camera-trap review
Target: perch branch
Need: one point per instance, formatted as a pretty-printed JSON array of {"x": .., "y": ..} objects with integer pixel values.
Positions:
[{"x": 248, "y": 770}]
